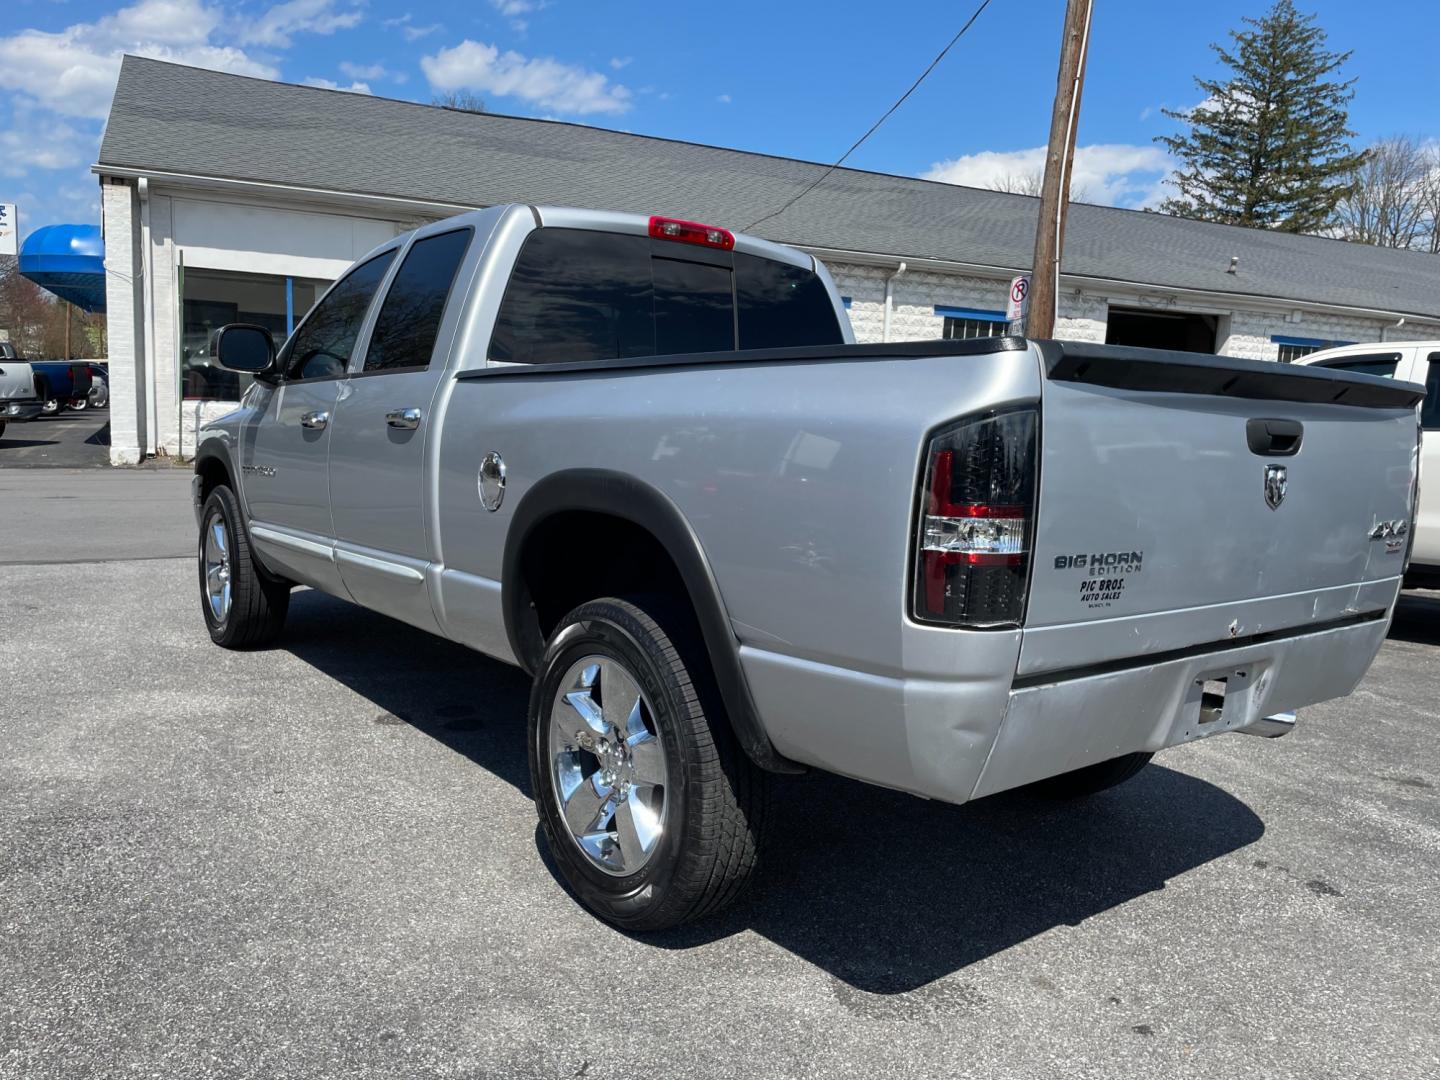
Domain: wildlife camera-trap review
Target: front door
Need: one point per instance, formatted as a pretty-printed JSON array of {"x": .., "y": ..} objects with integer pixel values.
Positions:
[
  {"x": 285, "y": 458},
  {"x": 384, "y": 422}
]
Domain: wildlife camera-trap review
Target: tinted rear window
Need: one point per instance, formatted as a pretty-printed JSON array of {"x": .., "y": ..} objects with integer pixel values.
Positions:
[
  {"x": 782, "y": 306},
  {"x": 576, "y": 295},
  {"x": 409, "y": 320},
  {"x": 1384, "y": 366},
  {"x": 694, "y": 307}
]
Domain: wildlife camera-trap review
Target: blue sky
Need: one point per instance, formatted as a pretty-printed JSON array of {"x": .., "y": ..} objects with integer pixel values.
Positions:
[{"x": 801, "y": 80}]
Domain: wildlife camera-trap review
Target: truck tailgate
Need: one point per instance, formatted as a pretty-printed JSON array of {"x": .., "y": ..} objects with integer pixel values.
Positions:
[{"x": 1189, "y": 499}]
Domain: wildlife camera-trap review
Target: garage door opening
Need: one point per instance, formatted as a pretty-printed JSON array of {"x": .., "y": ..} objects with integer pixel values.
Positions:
[{"x": 1180, "y": 330}]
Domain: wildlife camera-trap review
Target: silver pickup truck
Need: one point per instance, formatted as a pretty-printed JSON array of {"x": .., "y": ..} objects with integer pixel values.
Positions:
[
  {"x": 644, "y": 459},
  {"x": 19, "y": 389}
]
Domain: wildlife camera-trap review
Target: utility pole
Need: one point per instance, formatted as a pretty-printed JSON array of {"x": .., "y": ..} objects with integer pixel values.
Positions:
[{"x": 1059, "y": 156}]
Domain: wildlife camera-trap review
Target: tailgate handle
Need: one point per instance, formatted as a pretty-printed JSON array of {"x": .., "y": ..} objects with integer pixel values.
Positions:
[{"x": 1274, "y": 438}]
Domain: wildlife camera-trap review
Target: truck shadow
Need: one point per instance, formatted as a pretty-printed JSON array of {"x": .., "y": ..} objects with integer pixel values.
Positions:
[
  {"x": 1417, "y": 618},
  {"x": 886, "y": 892}
]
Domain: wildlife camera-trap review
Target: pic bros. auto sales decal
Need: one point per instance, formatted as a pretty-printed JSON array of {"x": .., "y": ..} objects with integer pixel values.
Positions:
[{"x": 1106, "y": 574}]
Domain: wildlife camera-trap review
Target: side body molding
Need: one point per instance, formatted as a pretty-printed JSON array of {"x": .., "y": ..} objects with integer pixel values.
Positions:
[{"x": 618, "y": 495}]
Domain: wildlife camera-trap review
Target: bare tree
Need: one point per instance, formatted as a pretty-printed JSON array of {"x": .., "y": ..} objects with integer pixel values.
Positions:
[
  {"x": 1387, "y": 204},
  {"x": 460, "y": 100},
  {"x": 1430, "y": 197},
  {"x": 1030, "y": 183},
  {"x": 1021, "y": 183}
]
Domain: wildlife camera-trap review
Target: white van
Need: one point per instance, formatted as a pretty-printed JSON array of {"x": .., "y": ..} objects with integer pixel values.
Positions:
[{"x": 1418, "y": 362}]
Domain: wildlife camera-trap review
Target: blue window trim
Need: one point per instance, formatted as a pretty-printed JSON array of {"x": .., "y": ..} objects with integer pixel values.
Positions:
[
  {"x": 289, "y": 306},
  {"x": 1319, "y": 343},
  {"x": 846, "y": 300},
  {"x": 982, "y": 314}
]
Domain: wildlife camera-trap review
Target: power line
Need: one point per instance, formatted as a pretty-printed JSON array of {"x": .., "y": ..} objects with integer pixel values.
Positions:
[{"x": 875, "y": 126}]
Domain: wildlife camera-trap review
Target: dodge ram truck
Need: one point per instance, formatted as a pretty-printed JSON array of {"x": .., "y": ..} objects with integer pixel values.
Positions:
[
  {"x": 19, "y": 388},
  {"x": 644, "y": 460}
]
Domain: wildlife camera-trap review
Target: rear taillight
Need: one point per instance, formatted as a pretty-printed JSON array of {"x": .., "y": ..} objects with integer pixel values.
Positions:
[
  {"x": 977, "y": 512},
  {"x": 691, "y": 232}
]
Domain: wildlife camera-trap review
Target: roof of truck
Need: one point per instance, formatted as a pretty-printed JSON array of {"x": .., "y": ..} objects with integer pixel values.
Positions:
[{"x": 171, "y": 118}]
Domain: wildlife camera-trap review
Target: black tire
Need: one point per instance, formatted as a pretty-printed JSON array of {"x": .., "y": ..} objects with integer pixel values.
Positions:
[
  {"x": 716, "y": 799},
  {"x": 258, "y": 601},
  {"x": 49, "y": 405},
  {"x": 1093, "y": 778}
]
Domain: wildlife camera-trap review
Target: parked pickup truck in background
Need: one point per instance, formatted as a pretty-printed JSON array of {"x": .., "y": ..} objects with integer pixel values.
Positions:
[
  {"x": 19, "y": 395},
  {"x": 644, "y": 460},
  {"x": 63, "y": 384},
  {"x": 1416, "y": 362}
]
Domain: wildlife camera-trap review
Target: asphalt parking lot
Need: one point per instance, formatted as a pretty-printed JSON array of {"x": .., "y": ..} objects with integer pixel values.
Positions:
[
  {"x": 321, "y": 860},
  {"x": 67, "y": 440}
]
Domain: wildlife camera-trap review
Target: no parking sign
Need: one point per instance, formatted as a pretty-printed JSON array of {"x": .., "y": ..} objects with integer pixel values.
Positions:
[{"x": 1015, "y": 304}]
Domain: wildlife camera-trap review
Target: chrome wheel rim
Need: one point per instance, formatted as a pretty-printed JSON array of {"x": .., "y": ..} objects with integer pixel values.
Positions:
[
  {"x": 607, "y": 765},
  {"x": 217, "y": 568}
]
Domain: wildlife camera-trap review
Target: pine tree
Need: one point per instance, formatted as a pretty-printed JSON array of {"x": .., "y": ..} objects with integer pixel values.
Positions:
[{"x": 1268, "y": 147}]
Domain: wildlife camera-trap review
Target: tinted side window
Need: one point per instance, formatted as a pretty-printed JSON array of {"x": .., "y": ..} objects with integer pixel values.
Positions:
[
  {"x": 409, "y": 319},
  {"x": 321, "y": 347},
  {"x": 1430, "y": 410},
  {"x": 574, "y": 296},
  {"x": 694, "y": 307},
  {"x": 782, "y": 306},
  {"x": 1383, "y": 365}
]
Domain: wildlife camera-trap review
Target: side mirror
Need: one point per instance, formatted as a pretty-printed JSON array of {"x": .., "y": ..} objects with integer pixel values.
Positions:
[{"x": 245, "y": 348}]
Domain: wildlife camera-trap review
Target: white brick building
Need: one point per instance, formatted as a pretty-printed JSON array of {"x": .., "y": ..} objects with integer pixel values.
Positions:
[{"x": 211, "y": 217}]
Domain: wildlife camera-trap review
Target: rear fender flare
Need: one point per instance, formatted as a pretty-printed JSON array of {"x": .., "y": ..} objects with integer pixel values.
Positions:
[{"x": 603, "y": 491}]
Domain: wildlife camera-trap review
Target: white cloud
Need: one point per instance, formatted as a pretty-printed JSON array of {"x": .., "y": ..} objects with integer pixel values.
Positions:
[
  {"x": 1116, "y": 174},
  {"x": 30, "y": 141},
  {"x": 331, "y": 84},
  {"x": 618, "y": 62},
  {"x": 724, "y": 99},
  {"x": 514, "y": 10},
  {"x": 566, "y": 88},
  {"x": 277, "y": 26},
  {"x": 410, "y": 30},
  {"x": 369, "y": 71},
  {"x": 73, "y": 71}
]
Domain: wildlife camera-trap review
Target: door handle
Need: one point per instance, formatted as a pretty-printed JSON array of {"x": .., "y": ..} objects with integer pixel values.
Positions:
[
  {"x": 316, "y": 420},
  {"x": 408, "y": 419},
  {"x": 1274, "y": 438}
]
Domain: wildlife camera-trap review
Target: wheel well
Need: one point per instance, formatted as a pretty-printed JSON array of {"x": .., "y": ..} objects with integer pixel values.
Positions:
[
  {"x": 579, "y": 555},
  {"x": 213, "y": 473}
]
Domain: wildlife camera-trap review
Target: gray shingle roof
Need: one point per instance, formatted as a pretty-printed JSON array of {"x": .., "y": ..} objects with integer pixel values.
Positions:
[{"x": 171, "y": 118}]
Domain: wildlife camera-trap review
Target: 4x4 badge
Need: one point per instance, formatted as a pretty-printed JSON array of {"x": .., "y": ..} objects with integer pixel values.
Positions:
[{"x": 1275, "y": 483}]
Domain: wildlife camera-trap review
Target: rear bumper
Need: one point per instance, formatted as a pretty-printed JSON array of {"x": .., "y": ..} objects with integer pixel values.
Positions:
[
  {"x": 1054, "y": 727},
  {"x": 959, "y": 724}
]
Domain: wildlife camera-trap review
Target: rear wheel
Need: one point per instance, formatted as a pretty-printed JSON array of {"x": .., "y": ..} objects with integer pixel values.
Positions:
[
  {"x": 243, "y": 605},
  {"x": 650, "y": 808},
  {"x": 1093, "y": 778}
]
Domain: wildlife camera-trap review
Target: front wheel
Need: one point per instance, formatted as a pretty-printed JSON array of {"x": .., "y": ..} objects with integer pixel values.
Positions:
[
  {"x": 649, "y": 806},
  {"x": 243, "y": 605}
]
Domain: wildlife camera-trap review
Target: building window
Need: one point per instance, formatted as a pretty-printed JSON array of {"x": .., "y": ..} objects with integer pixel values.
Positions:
[
  {"x": 1293, "y": 348},
  {"x": 212, "y": 298},
  {"x": 847, "y": 301},
  {"x": 971, "y": 322}
]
